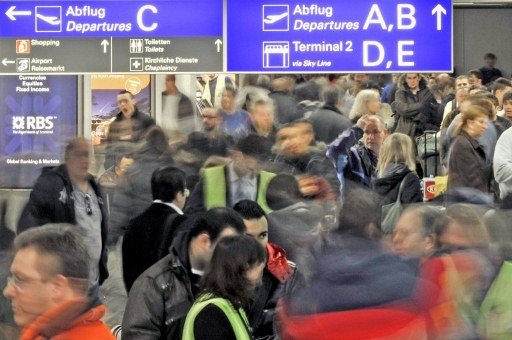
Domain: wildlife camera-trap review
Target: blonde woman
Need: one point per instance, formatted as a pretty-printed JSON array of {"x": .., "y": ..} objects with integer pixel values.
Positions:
[
  {"x": 396, "y": 165},
  {"x": 368, "y": 102}
]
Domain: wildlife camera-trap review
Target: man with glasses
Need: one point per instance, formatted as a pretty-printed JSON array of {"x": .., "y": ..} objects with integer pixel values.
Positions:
[
  {"x": 49, "y": 283},
  {"x": 356, "y": 151},
  {"x": 69, "y": 194},
  {"x": 149, "y": 236}
]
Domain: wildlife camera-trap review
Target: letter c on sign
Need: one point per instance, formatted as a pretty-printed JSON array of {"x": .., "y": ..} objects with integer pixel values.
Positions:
[{"x": 139, "y": 18}]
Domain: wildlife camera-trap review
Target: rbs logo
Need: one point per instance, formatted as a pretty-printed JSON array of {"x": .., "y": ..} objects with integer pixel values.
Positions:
[{"x": 32, "y": 123}]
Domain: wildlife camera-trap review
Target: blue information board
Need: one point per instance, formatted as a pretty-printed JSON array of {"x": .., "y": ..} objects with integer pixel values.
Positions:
[
  {"x": 275, "y": 36},
  {"x": 111, "y": 18}
]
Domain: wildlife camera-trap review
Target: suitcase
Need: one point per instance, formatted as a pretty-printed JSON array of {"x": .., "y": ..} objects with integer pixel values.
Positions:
[{"x": 428, "y": 153}]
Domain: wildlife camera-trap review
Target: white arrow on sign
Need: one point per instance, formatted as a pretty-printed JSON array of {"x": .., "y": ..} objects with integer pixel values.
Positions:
[
  {"x": 5, "y": 62},
  {"x": 218, "y": 43},
  {"x": 105, "y": 44},
  {"x": 11, "y": 13},
  {"x": 439, "y": 11}
]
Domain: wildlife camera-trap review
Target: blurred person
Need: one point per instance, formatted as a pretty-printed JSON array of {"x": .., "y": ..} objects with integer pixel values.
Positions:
[
  {"x": 8, "y": 329},
  {"x": 308, "y": 99},
  {"x": 228, "y": 287},
  {"x": 476, "y": 89},
  {"x": 502, "y": 163},
  {"x": 467, "y": 165},
  {"x": 489, "y": 72},
  {"x": 280, "y": 276},
  {"x": 218, "y": 140},
  {"x": 133, "y": 195},
  {"x": 262, "y": 121},
  {"x": 284, "y": 102},
  {"x": 414, "y": 105},
  {"x": 149, "y": 236},
  {"x": 242, "y": 178},
  {"x": 296, "y": 152},
  {"x": 396, "y": 165},
  {"x": 356, "y": 280},
  {"x": 129, "y": 126},
  {"x": 48, "y": 286},
  {"x": 113, "y": 176},
  {"x": 69, "y": 194},
  {"x": 328, "y": 122},
  {"x": 367, "y": 102},
  {"x": 251, "y": 91},
  {"x": 475, "y": 77},
  {"x": 296, "y": 225},
  {"x": 499, "y": 88},
  {"x": 214, "y": 87},
  {"x": 235, "y": 122},
  {"x": 177, "y": 108},
  {"x": 355, "y": 152},
  {"x": 161, "y": 297},
  {"x": 388, "y": 93}
]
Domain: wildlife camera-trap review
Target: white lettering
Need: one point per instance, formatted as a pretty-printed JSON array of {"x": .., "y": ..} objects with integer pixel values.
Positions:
[
  {"x": 141, "y": 11},
  {"x": 409, "y": 15},
  {"x": 375, "y": 10},
  {"x": 366, "y": 60},
  {"x": 402, "y": 53}
]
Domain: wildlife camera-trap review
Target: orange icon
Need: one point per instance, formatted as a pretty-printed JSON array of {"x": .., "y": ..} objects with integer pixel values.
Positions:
[{"x": 23, "y": 46}]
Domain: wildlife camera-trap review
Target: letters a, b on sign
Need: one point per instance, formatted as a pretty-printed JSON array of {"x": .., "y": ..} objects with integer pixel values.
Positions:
[{"x": 339, "y": 36}]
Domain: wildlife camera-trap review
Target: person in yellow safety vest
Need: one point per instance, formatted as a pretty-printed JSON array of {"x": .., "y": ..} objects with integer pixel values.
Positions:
[
  {"x": 243, "y": 178},
  {"x": 228, "y": 286}
]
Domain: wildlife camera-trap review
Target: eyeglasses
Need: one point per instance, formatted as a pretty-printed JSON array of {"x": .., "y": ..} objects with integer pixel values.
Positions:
[
  {"x": 20, "y": 284},
  {"x": 88, "y": 207},
  {"x": 208, "y": 117}
]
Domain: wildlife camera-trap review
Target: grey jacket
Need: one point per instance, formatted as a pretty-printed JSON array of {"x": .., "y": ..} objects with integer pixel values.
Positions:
[{"x": 502, "y": 164}]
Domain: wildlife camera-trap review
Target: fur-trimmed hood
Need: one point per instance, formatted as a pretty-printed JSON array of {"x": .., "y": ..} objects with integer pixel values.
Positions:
[{"x": 402, "y": 85}]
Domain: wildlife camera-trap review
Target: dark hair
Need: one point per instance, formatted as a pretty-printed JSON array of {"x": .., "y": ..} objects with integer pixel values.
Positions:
[
  {"x": 215, "y": 220},
  {"x": 433, "y": 219},
  {"x": 254, "y": 146},
  {"x": 231, "y": 89},
  {"x": 167, "y": 182},
  {"x": 500, "y": 84},
  {"x": 477, "y": 73},
  {"x": 283, "y": 190},
  {"x": 477, "y": 87},
  {"x": 490, "y": 56},
  {"x": 125, "y": 92},
  {"x": 249, "y": 210},
  {"x": 72, "y": 145},
  {"x": 359, "y": 210},
  {"x": 226, "y": 276},
  {"x": 507, "y": 96},
  {"x": 307, "y": 91},
  {"x": 330, "y": 95},
  {"x": 63, "y": 242}
]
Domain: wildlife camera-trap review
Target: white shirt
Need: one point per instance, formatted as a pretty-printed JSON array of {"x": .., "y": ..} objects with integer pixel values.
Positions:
[
  {"x": 170, "y": 204},
  {"x": 248, "y": 183}
]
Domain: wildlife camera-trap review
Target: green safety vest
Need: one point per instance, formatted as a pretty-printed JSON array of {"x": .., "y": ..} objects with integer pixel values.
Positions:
[
  {"x": 496, "y": 310},
  {"x": 215, "y": 188},
  {"x": 238, "y": 320}
]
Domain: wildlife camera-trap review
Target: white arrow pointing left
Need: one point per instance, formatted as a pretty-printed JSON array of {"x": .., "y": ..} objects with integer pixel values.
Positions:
[
  {"x": 11, "y": 13},
  {"x": 5, "y": 62},
  {"x": 439, "y": 11}
]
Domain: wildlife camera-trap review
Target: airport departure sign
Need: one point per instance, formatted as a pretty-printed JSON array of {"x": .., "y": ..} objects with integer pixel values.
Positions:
[
  {"x": 212, "y": 36},
  {"x": 275, "y": 36},
  {"x": 111, "y": 36}
]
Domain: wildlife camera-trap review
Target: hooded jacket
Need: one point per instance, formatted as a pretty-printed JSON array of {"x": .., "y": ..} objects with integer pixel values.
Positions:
[
  {"x": 388, "y": 186},
  {"x": 73, "y": 319},
  {"x": 51, "y": 201},
  {"x": 416, "y": 112}
]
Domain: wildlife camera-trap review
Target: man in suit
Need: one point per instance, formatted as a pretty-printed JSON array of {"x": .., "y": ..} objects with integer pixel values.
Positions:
[{"x": 149, "y": 235}]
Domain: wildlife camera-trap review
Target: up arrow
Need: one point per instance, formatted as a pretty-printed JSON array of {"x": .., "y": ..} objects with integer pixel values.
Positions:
[
  {"x": 439, "y": 11},
  {"x": 105, "y": 44},
  {"x": 11, "y": 13},
  {"x": 218, "y": 43}
]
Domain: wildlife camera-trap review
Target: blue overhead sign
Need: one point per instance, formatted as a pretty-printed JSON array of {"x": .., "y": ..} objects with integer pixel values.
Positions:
[
  {"x": 275, "y": 36},
  {"x": 77, "y": 19}
]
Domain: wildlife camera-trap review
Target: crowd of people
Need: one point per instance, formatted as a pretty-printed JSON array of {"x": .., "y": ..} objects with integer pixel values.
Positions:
[{"x": 296, "y": 212}]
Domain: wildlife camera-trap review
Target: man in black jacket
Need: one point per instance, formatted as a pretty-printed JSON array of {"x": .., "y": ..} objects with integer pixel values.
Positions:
[
  {"x": 161, "y": 297},
  {"x": 69, "y": 194},
  {"x": 128, "y": 127},
  {"x": 149, "y": 236}
]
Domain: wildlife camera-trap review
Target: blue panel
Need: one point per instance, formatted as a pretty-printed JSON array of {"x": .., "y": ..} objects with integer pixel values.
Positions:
[
  {"x": 157, "y": 18},
  {"x": 332, "y": 36}
]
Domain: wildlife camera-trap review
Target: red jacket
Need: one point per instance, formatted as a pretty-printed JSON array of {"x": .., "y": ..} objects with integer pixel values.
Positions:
[{"x": 68, "y": 321}]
